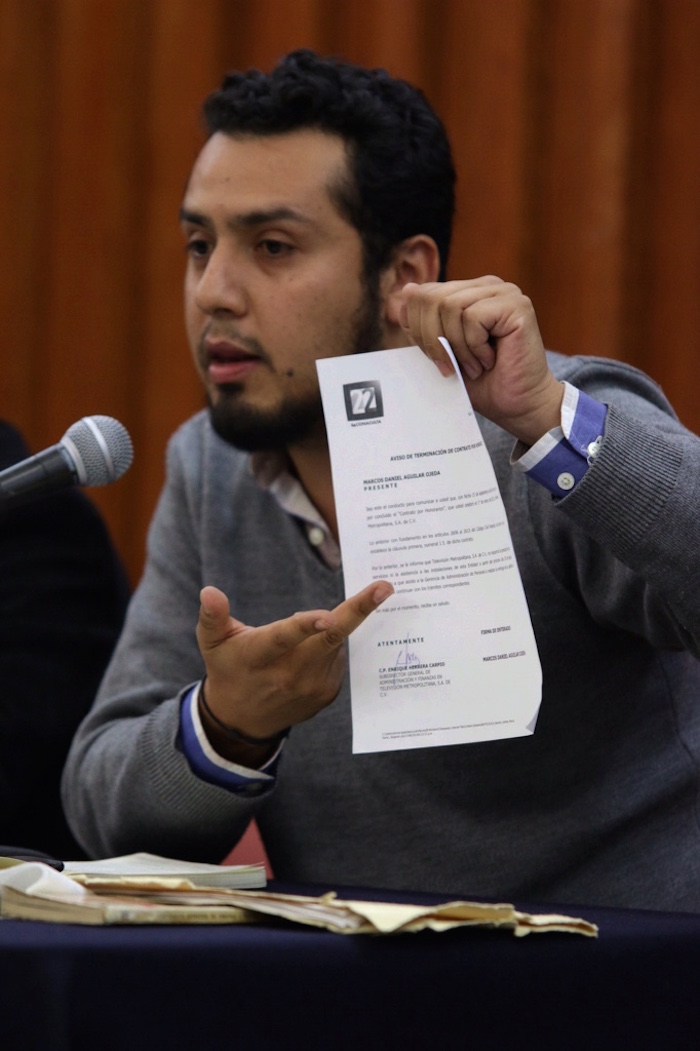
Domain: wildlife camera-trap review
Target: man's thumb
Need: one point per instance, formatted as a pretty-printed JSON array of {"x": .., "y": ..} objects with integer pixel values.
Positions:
[{"x": 214, "y": 615}]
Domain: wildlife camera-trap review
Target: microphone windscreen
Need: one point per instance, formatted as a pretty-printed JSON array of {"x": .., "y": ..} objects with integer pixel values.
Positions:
[{"x": 101, "y": 448}]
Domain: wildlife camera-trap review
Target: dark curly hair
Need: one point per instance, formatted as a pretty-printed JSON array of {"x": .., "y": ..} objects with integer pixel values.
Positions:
[{"x": 399, "y": 152}]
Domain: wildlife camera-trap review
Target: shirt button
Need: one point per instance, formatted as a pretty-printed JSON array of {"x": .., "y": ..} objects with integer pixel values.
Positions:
[
  {"x": 566, "y": 481},
  {"x": 316, "y": 536},
  {"x": 594, "y": 448}
]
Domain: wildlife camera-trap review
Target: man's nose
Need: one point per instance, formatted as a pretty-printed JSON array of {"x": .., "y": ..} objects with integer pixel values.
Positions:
[{"x": 221, "y": 285}]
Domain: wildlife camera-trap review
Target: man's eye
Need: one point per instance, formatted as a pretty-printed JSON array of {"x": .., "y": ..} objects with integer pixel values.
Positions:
[
  {"x": 274, "y": 248},
  {"x": 198, "y": 248}
]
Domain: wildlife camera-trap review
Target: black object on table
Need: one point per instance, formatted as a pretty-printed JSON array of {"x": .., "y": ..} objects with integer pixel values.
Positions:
[{"x": 26, "y": 854}]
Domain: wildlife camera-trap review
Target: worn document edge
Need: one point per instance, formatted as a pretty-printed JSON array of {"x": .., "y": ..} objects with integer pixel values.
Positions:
[
  {"x": 171, "y": 901},
  {"x": 147, "y": 865}
]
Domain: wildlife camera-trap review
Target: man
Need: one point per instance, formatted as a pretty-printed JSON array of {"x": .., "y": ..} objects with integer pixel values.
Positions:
[
  {"x": 63, "y": 596},
  {"x": 316, "y": 221}
]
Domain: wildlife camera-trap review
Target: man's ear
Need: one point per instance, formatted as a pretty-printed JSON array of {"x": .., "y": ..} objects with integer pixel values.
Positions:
[{"x": 415, "y": 259}]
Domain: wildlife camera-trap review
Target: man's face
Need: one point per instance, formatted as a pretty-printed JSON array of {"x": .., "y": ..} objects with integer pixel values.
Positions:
[{"x": 274, "y": 281}]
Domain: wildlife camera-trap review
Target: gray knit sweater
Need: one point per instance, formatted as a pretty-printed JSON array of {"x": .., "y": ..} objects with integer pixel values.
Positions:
[{"x": 599, "y": 806}]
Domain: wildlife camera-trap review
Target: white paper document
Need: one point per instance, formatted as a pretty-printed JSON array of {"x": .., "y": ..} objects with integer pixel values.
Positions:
[{"x": 451, "y": 656}]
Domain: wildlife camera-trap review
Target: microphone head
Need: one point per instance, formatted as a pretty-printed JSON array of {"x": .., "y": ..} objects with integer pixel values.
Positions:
[{"x": 100, "y": 447}]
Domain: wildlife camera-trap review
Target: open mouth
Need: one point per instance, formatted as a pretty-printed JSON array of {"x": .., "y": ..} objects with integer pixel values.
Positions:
[{"x": 226, "y": 363}]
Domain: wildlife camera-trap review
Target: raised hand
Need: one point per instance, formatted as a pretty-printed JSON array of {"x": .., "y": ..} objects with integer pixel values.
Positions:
[
  {"x": 493, "y": 331},
  {"x": 262, "y": 680}
]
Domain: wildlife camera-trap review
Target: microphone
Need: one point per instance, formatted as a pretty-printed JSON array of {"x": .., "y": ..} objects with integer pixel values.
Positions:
[{"x": 94, "y": 451}]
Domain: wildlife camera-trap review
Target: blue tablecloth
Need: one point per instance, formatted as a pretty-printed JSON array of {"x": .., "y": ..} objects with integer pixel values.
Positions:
[{"x": 69, "y": 988}]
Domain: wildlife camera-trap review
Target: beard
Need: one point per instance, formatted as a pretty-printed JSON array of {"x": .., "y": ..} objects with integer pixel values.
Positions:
[
  {"x": 297, "y": 418},
  {"x": 258, "y": 430}
]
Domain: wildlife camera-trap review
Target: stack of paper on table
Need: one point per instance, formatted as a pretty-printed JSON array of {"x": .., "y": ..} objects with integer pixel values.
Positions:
[
  {"x": 146, "y": 865},
  {"x": 42, "y": 894}
]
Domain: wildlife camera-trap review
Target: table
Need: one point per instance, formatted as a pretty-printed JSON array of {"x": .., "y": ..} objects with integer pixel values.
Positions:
[{"x": 69, "y": 988}]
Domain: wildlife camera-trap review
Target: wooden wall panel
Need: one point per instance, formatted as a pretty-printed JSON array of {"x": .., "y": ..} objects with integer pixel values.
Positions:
[
  {"x": 580, "y": 175},
  {"x": 92, "y": 187},
  {"x": 165, "y": 389},
  {"x": 25, "y": 87},
  {"x": 576, "y": 130},
  {"x": 668, "y": 342},
  {"x": 387, "y": 33},
  {"x": 259, "y": 34},
  {"x": 484, "y": 95}
]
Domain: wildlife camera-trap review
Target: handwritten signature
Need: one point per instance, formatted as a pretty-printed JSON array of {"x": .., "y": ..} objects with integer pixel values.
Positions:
[{"x": 404, "y": 660}]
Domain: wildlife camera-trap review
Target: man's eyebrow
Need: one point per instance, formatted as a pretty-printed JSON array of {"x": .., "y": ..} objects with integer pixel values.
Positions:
[
  {"x": 270, "y": 215},
  {"x": 186, "y": 216},
  {"x": 248, "y": 220}
]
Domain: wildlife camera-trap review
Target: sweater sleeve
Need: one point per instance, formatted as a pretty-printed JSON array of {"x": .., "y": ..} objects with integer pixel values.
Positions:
[
  {"x": 127, "y": 785},
  {"x": 636, "y": 530}
]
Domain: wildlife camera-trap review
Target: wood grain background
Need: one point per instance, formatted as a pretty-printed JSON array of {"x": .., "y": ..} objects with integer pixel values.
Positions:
[{"x": 576, "y": 130}]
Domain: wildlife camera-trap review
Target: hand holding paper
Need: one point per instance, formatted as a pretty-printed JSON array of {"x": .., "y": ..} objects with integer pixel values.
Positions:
[
  {"x": 451, "y": 657},
  {"x": 493, "y": 331}
]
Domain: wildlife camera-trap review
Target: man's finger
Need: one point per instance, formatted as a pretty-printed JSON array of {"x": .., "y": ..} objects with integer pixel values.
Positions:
[
  {"x": 342, "y": 621},
  {"x": 333, "y": 625},
  {"x": 216, "y": 625},
  {"x": 214, "y": 604}
]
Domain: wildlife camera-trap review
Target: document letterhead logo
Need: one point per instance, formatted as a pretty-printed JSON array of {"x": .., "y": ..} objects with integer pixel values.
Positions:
[{"x": 363, "y": 401}]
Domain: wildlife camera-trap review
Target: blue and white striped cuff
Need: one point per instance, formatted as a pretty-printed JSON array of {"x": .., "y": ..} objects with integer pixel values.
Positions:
[{"x": 211, "y": 767}]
